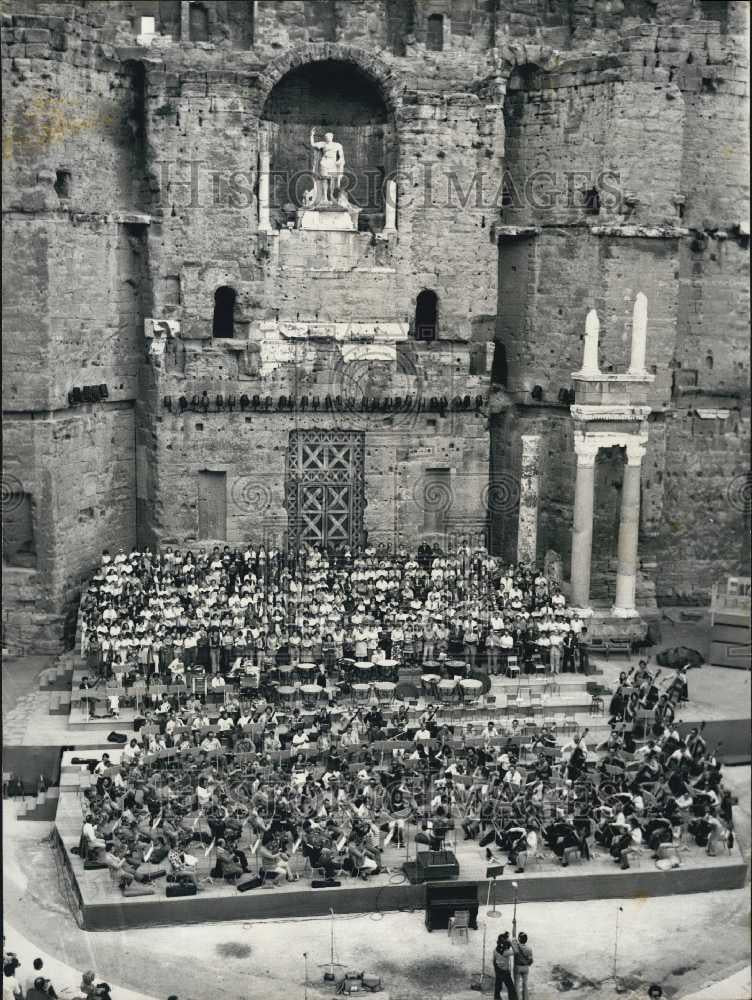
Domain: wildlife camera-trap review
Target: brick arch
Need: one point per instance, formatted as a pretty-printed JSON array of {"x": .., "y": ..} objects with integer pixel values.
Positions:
[
  {"x": 390, "y": 87},
  {"x": 510, "y": 57}
]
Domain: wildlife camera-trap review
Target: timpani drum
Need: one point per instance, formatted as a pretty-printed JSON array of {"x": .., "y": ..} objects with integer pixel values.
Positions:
[
  {"x": 361, "y": 692},
  {"x": 385, "y": 692},
  {"x": 305, "y": 670},
  {"x": 286, "y": 694},
  {"x": 431, "y": 667},
  {"x": 311, "y": 693},
  {"x": 470, "y": 689},
  {"x": 364, "y": 670},
  {"x": 285, "y": 673},
  {"x": 456, "y": 668},
  {"x": 447, "y": 691}
]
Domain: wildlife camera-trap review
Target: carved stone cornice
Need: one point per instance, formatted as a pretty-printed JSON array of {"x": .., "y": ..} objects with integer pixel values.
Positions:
[{"x": 609, "y": 411}]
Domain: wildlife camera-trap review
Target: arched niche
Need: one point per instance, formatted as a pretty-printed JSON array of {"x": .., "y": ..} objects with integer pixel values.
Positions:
[
  {"x": 426, "y": 322},
  {"x": 223, "y": 324},
  {"x": 337, "y": 96}
]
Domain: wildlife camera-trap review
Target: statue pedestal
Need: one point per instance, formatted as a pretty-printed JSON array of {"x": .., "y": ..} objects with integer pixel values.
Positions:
[{"x": 328, "y": 218}]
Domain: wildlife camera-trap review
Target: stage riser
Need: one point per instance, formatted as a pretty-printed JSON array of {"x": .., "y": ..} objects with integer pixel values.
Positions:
[
  {"x": 268, "y": 904},
  {"x": 724, "y": 654},
  {"x": 556, "y": 709}
]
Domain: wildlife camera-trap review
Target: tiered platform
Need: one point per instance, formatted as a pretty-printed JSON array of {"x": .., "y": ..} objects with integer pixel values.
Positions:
[
  {"x": 103, "y": 907},
  {"x": 564, "y": 701}
]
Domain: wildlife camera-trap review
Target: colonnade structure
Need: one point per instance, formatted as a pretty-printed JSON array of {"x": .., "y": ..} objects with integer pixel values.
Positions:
[{"x": 610, "y": 410}]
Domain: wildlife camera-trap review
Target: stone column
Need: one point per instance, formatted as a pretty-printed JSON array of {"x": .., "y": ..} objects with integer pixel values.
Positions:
[
  {"x": 527, "y": 523},
  {"x": 582, "y": 529},
  {"x": 390, "y": 207},
  {"x": 590, "y": 352},
  {"x": 629, "y": 524},
  {"x": 264, "y": 219},
  {"x": 185, "y": 20},
  {"x": 639, "y": 335}
]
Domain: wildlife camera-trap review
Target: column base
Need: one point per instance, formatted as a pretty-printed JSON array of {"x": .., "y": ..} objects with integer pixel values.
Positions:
[{"x": 625, "y": 612}]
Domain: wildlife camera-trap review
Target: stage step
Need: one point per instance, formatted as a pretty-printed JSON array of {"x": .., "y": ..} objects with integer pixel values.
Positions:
[
  {"x": 60, "y": 703},
  {"x": 45, "y": 806}
]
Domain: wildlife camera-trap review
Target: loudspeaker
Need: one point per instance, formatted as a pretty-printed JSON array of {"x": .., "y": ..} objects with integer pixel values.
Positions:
[
  {"x": 186, "y": 889},
  {"x": 249, "y": 882}
]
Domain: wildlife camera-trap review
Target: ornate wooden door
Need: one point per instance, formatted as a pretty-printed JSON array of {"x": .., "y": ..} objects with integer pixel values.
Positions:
[{"x": 325, "y": 487}]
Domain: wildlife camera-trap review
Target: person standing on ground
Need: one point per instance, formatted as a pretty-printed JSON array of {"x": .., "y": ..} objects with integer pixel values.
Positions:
[
  {"x": 11, "y": 987},
  {"x": 523, "y": 959},
  {"x": 503, "y": 957}
]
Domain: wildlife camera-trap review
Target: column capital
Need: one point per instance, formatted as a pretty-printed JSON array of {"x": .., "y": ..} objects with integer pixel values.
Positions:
[
  {"x": 586, "y": 450},
  {"x": 636, "y": 447}
]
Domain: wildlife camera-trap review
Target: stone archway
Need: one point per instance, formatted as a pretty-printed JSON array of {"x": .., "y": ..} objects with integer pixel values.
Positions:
[
  {"x": 389, "y": 85},
  {"x": 335, "y": 89}
]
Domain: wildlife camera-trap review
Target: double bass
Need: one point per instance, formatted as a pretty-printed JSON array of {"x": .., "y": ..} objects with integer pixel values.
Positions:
[
  {"x": 620, "y": 698},
  {"x": 651, "y": 691}
]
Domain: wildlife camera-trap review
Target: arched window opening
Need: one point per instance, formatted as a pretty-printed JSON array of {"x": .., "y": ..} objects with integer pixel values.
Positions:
[
  {"x": 435, "y": 32},
  {"x": 224, "y": 312},
  {"x": 198, "y": 23},
  {"x": 426, "y": 315}
]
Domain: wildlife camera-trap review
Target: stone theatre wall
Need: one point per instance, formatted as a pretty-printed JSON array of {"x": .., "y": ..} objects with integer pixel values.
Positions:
[{"x": 549, "y": 159}]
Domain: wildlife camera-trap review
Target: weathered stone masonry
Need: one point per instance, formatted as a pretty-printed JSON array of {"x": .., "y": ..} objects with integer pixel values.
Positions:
[{"x": 549, "y": 159}]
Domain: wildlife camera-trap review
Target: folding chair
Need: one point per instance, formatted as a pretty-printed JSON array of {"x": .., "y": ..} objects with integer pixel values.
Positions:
[
  {"x": 513, "y": 667},
  {"x": 536, "y": 700},
  {"x": 458, "y": 929},
  {"x": 538, "y": 664}
]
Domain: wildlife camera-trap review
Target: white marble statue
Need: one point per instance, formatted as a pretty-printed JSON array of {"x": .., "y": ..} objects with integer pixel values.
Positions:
[{"x": 328, "y": 167}]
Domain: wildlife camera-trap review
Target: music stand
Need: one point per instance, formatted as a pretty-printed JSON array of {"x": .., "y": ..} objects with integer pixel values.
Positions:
[{"x": 493, "y": 872}]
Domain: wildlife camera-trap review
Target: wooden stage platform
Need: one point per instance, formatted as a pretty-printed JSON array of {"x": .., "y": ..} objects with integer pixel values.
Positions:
[{"x": 102, "y": 906}]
